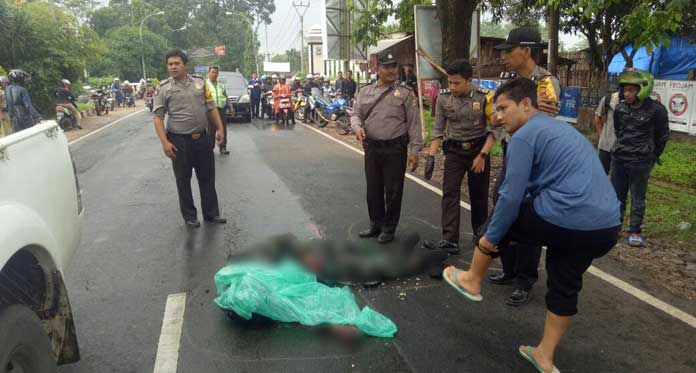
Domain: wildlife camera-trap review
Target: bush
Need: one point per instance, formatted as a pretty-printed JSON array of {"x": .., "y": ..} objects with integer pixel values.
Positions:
[
  {"x": 85, "y": 107},
  {"x": 678, "y": 162},
  {"x": 100, "y": 81}
]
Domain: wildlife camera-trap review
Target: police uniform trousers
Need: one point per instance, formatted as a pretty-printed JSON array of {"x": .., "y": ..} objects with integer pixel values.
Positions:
[
  {"x": 213, "y": 130},
  {"x": 458, "y": 162},
  {"x": 385, "y": 169},
  {"x": 195, "y": 154},
  {"x": 520, "y": 260}
]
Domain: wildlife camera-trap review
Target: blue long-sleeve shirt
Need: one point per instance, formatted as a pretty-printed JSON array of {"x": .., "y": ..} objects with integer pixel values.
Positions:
[{"x": 554, "y": 164}]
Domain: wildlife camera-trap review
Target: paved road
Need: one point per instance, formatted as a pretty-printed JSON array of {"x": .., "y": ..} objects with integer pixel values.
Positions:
[{"x": 135, "y": 252}]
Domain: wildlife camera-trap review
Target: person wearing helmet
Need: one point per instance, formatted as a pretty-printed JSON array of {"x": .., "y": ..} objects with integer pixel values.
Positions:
[
  {"x": 5, "y": 125},
  {"x": 641, "y": 126},
  {"x": 296, "y": 83},
  {"x": 64, "y": 98},
  {"x": 22, "y": 112},
  {"x": 267, "y": 86},
  {"x": 256, "y": 91},
  {"x": 281, "y": 89}
]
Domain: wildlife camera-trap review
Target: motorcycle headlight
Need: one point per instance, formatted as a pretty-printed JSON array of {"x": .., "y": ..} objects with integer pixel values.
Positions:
[{"x": 244, "y": 99}]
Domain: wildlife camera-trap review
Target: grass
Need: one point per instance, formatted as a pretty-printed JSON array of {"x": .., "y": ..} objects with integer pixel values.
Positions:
[
  {"x": 668, "y": 208},
  {"x": 85, "y": 107},
  {"x": 678, "y": 164}
]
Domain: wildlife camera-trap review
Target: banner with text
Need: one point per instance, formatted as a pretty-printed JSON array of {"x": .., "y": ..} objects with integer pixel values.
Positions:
[{"x": 679, "y": 97}]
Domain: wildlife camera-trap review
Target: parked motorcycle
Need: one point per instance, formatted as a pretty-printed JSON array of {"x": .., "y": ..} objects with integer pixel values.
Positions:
[
  {"x": 332, "y": 112},
  {"x": 101, "y": 105},
  {"x": 65, "y": 118}
]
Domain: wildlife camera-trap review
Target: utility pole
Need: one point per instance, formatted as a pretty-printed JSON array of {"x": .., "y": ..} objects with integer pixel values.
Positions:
[
  {"x": 297, "y": 5},
  {"x": 268, "y": 55}
]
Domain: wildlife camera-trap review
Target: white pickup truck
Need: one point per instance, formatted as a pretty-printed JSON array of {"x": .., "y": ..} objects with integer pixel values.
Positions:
[{"x": 40, "y": 216}]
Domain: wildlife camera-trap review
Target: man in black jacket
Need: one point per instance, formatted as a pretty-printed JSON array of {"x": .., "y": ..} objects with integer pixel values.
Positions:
[
  {"x": 65, "y": 98},
  {"x": 641, "y": 126}
]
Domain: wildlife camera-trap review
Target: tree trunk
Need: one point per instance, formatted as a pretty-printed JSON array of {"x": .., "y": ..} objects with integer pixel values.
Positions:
[
  {"x": 455, "y": 21},
  {"x": 554, "y": 18}
]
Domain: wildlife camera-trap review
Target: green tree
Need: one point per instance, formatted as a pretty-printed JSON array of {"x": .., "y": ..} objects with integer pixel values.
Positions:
[
  {"x": 123, "y": 59},
  {"x": 292, "y": 56}
]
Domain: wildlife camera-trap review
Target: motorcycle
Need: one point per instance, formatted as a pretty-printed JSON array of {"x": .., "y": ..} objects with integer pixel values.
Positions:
[
  {"x": 101, "y": 105},
  {"x": 65, "y": 118},
  {"x": 284, "y": 109},
  {"x": 149, "y": 101},
  {"x": 267, "y": 107},
  {"x": 130, "y": 99},
  {"x": 332, "y": 112},
  {"x": 299, "y": 103}
]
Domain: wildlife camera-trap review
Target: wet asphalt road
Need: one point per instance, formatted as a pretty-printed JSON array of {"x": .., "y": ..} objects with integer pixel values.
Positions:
[{"x": 135, "y": 251}]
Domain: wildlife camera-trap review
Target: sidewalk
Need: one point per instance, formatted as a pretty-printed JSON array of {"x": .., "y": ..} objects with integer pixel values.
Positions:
[{"x": 93, "y": 123}]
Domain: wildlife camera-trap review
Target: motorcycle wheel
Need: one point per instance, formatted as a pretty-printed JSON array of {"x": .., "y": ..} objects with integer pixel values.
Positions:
[
  {"x": 342, "y": 125},
  {"x": 299, "y": 114},
  {"x": 320, "y": 123}
]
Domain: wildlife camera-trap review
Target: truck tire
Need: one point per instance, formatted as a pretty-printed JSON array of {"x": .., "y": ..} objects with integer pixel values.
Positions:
[{"x": 25, "y": 345}]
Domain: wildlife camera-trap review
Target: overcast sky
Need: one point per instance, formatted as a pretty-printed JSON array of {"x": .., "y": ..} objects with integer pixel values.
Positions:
[{"x": 283, "y": 32}]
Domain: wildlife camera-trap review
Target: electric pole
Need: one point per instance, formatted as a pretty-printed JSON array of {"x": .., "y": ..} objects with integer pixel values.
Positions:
[
  {"x": 297, "y": 5},
  {"x": 268, "y": 55}
]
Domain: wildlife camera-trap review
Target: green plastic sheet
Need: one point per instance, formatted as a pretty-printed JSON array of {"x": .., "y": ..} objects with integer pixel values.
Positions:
[{"x": 287, "y": 292}]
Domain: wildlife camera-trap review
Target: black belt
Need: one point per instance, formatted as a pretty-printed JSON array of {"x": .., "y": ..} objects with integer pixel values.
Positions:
[
  {"x": 466, "y": 145},
  {"x": 194, "y": 135},
  {"x": 401, "y": 140}
]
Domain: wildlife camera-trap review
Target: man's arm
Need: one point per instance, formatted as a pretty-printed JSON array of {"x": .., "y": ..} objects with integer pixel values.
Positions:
[
  {"x": 439, "y": 126},
  {"x": 517, "y": 172},
  {"x": 599, "y": 115},
  {"x": 661, "y": 130},
  {"x": 356, "y": 120},
  {"x": 415, "y": 132}
]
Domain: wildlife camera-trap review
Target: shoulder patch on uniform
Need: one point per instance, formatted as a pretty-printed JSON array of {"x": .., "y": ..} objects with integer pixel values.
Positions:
[
  {"x": 444, "y": 91},
  {"x": 403, "y": 85},
  {"x": 166, "y": 81},
  {"x": 197, "y": 76},
  {"x": 482, "y": 90}
]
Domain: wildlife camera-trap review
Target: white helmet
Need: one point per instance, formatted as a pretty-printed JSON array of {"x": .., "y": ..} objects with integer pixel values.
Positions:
[
  {"x": 126, "y": 82},
  {"x": 309, "y": 76},
  {"x": 65, "y": 81},
  {"x": 274, "y": 76},
  {"x": 117, "y": 80}
]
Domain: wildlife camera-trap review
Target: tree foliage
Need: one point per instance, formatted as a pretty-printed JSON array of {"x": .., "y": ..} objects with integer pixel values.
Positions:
[
  {"x": 370, "y": 24},
  {"x": 292, "y": 56}
]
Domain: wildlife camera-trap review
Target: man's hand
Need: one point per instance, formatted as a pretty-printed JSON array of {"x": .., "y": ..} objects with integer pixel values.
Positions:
[
  {"x": 170, "y": 150},
  {"x": 360, "y": 134},
  {"x": 413, "y": 163},
  {"x": 487, "y": 245},
  {"x": 479, "y": 164},
  {"x": 219, "y": 137},
  {"x": 429, "y": 166},
  {"x": 548, "y": 106}
]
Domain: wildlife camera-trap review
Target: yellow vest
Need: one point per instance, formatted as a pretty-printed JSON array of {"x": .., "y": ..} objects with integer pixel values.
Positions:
[{"x": 217, "y": 90}]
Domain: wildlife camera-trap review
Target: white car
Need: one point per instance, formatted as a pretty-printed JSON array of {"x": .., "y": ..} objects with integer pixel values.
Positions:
[{"x": 40, "y": 216}]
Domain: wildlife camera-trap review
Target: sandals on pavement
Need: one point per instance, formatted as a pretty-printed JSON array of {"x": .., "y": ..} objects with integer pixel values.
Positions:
[
  {"x": 455, "y": 285},
  {"x": 526, "y": 353},
  {"x": 635, "y": 240}
]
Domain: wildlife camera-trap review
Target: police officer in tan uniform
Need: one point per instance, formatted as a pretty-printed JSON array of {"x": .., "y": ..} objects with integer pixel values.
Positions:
[
  {"x": 189, "y": 107},
  {"x": 385, "y": 119},
  {"x": 520, "y": 263},
  {"x": 463, "y": 115}
]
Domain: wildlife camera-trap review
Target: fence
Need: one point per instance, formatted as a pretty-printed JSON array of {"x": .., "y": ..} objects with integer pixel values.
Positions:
[{"x": 593, "y": 84}]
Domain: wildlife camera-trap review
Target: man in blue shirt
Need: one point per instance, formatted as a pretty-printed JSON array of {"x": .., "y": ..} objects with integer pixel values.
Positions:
[
  {"x": 255, "y": 84},
  {"x": 555, "y": 194}
]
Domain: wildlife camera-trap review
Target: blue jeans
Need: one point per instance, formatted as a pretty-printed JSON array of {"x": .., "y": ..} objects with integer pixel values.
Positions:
[{"x": 632, "y": 176}]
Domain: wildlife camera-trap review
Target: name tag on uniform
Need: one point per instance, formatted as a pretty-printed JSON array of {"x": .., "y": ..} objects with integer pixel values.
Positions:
[
  {"x": 397, "y": 93},
  {"x": 476, "y": 106},
  {"x": 198, "y": 84}
]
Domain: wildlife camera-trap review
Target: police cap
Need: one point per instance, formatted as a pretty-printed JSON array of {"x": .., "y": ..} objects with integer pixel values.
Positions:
[
  {"x": 522, "y": 37},
  {"x": 386, "y": 57}
]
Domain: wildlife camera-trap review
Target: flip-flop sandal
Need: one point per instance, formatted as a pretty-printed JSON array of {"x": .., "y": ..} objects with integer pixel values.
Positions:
[
  {"x": 527, "y": 355},
  {"x": 455, "y": 285}
]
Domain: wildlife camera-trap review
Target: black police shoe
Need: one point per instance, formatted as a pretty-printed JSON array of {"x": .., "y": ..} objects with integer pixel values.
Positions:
[
  {"x": 370, "y": 232},
  {"x": 501, "y": 278},
  {"x": 385, "y": 237},
  {"x": 224, "y": 151},
  {"x": 216, "y": 220},
  {"x": 448, "y": 246},
  {"x": 518, "y": 298},
  {"x": 194, "y": 223}
]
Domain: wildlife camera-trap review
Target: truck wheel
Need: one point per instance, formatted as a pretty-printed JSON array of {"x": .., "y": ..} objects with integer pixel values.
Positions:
[{"x": 25, "y": 345}]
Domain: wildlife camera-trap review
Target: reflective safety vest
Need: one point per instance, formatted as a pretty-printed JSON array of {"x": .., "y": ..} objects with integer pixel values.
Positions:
[{"x": 217, "y": 90}]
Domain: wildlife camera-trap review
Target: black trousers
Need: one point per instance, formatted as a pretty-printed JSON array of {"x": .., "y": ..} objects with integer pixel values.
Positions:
[
  {"x": 255, "y": 103},
  {"x": 633, "y": 177},
  {"x": 213, "y": 130},
  {"x": 195, "y": 155},
  {"x": 569, "y": 254},
  {"x": 458, "y": 163},
  {"x": 385, "y": 168},
  {"x": 520, "y": 260},
  {"x": 605, "y": 159}
]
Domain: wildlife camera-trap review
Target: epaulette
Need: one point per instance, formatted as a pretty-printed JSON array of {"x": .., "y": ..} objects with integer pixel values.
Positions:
[
  {"x": 166, "y": 81},
  {"x": 403, "y": 85},
  {"x": 482, "y": 90},
  {"x": 197, "y": 76},
  {"x": 444, "y": 91},
  {"x": 366, "y": 85}
]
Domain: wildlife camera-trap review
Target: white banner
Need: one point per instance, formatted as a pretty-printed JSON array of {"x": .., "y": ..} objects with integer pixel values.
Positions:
[
  {"x": 276, "y": 67},
  {"x": 679, "y": 97}
]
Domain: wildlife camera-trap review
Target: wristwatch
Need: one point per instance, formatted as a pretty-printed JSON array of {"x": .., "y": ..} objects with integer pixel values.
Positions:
[{"x": 483, "y": 155}]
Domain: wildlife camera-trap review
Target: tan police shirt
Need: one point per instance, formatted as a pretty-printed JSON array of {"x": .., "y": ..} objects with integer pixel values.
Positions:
[
  {"x": 464, "y": 118},
  {"x": 186, "y": 103},
  {"x": 394, "y": 116}
]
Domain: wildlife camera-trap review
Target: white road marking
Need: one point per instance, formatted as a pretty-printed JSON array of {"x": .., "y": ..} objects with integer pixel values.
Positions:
[
  {"x": 167, "y": 358},
  {"x": 626, "y": 287},
  {"x": 105, "y": 127}
]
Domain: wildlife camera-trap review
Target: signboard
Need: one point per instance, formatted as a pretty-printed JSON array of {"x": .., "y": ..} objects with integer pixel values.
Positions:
[
  {"x": 206, "y": 52},
  {"x": 276, "y": 67},
  {"x": 200, "y": 69},
  {"x": 429, "y": 39},
  {"x": 336, "y": 26},
  {"x": 679, "y": 97}
]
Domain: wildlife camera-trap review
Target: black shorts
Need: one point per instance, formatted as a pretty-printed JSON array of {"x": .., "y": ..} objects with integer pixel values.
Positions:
[{"x": 569, "y": 253}]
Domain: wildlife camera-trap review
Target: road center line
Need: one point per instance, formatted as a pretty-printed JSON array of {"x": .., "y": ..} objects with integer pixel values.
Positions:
[
  {"x": 105, "y": 127},
  {"x": 167, "y": 358},
  {"x": 622, "y": 285}
]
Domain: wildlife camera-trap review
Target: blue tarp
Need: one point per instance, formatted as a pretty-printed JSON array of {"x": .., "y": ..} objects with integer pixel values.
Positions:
[{"x": 668, "y": 63}]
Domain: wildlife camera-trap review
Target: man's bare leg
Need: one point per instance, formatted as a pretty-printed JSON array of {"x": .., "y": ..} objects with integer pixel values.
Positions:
[
  {"x": 554, "y": 328},
  {"x": 471, "y": 280}
]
